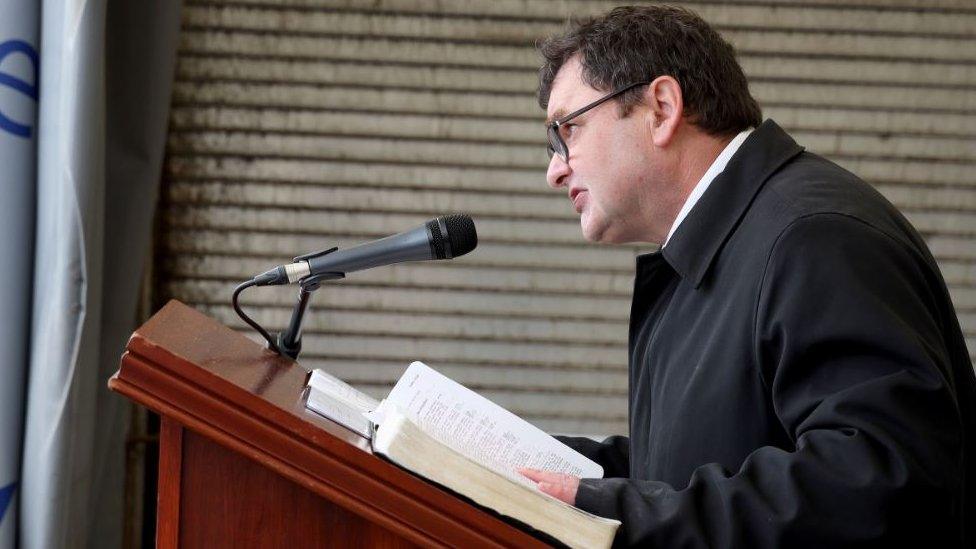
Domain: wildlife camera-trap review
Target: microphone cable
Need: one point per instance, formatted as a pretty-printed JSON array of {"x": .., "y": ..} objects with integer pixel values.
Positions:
[{"x": 272, "y": 344}]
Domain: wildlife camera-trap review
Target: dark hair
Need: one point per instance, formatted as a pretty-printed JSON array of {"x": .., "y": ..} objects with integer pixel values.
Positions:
[{"x": 640, "y": 43}]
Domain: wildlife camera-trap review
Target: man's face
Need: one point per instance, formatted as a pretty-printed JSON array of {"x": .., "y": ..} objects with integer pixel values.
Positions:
[{"x": 610, "y": 175}]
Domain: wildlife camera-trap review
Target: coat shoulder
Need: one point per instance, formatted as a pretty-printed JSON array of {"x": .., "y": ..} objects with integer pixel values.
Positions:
[{"x": 811, "y": 185}]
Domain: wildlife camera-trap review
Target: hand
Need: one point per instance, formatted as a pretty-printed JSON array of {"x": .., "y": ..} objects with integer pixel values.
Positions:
[{"x": 557, "y": 485}]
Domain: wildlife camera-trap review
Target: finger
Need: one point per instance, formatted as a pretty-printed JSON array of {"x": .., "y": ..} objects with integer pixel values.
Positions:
[
  {"x": 539, "y": 475},
  {"x": 558, "y": 491},
  {"x": 534, "y": 474}
]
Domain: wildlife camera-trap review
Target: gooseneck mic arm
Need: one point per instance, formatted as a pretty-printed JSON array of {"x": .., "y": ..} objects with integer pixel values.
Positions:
[{"x": 289, "y": 342}]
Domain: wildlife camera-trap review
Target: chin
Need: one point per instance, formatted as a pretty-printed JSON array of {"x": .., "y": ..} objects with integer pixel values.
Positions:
[
  {"x": 604, "y": 234},
  {"x": 596, "y": 233}
]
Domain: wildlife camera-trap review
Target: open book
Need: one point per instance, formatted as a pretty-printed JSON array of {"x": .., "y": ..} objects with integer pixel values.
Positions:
[{"x": 438, "y": 429}]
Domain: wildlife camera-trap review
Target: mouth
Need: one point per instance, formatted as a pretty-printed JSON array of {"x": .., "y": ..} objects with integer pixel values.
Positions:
[{"x": 578, "y": 197}]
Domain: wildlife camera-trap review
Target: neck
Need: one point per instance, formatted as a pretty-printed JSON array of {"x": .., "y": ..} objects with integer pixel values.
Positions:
[{"x": 695, "y": 153}]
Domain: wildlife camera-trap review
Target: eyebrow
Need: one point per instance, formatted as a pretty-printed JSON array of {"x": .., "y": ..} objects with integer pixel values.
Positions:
[{"x": 556, "y": 116}]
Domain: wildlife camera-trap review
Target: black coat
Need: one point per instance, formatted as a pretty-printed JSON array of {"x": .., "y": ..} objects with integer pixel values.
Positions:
[{"x": 798, "y": 376}]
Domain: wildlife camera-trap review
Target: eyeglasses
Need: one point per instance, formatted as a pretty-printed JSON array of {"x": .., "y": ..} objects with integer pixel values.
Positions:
[{"x": 556, "y": 143}]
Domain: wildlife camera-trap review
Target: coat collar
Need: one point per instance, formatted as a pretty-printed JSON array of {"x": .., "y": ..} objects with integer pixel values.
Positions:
[{"x": 700, "y": 237}]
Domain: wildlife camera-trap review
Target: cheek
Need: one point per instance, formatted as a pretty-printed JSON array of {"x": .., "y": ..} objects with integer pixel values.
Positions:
[
  {"x": 625, "y": 147},
  {"x": 615, "y": 163},
  {"x": 627, "y": 167}
]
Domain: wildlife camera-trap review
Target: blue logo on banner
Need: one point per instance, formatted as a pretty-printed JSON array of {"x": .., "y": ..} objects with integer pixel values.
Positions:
[
  {"x": 26, "y": 88},
  {"x": 6, "y": 495}
]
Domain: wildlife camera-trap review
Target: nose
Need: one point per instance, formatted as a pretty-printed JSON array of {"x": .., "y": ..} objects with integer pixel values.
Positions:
[{"x": 558, "y": 172}]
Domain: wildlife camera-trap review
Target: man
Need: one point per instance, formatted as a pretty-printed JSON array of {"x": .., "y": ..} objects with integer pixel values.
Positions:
[{"x": 798, "y": 376}]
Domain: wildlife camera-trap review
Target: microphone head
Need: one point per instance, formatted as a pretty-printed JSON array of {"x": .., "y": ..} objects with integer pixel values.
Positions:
[{"x": 459, "y": 232}]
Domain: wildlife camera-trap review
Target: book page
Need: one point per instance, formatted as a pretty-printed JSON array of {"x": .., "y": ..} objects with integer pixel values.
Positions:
[
  {"x": 337, "y": 400},
  {"x": 480, "y": 429},
  {"x": 325, "y": 383},
  {"x": 339, "y": 412}
]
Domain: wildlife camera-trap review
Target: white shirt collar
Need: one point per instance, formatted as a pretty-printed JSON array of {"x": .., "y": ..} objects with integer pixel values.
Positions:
[{"x": 716, "y": 168}]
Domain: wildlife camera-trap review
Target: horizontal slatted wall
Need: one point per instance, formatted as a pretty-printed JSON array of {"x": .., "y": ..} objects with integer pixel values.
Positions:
[{"x": 305, "y": 124}]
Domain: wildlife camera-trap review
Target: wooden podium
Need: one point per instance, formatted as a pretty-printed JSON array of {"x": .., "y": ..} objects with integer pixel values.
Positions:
[{"x": 243, "y": 464}]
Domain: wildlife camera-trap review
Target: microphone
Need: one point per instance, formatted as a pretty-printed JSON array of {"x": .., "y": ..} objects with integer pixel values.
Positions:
[{"x": 444, "y": 237}]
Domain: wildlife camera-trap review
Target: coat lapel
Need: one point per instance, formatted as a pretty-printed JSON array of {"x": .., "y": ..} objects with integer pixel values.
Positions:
[{"x": 700, "y": 237}]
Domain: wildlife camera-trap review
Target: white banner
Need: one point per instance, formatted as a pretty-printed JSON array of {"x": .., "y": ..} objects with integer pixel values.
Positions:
[{"x": 19, "y": 85}]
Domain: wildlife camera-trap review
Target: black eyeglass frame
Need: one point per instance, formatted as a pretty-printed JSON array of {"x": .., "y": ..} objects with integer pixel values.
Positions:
[{"x": 556, "y": 144}]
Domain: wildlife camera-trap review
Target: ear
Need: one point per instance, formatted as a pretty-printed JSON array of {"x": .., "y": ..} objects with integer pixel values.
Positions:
[{"x": 665, "y": 109}]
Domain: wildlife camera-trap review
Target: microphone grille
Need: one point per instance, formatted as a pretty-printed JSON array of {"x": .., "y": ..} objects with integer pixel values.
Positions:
[
  {"x": 461, "y": 233},
  {"x": 436, "y": 239}
]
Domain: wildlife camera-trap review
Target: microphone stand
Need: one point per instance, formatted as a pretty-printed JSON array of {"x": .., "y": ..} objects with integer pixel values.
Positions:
[{"x": 290, "y": 341}]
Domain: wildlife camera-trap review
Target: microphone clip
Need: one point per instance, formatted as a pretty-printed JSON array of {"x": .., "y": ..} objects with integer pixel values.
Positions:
[
  {"x": 312, "y": 282},
  {"x": 306, "y": 257}
]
